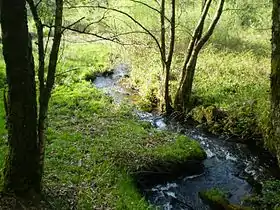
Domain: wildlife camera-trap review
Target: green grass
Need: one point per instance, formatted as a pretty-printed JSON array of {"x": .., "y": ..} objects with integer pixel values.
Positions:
[
  {"x": 94, "y": 147},
  {"x": 232, "y": 70}
]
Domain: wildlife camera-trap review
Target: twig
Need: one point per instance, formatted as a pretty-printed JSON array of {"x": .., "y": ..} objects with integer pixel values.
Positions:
[
  {"x": 72, "y": 24},
  {"x": 69, "y": 70},
  {"x": 38, "y": 3},
  {"x": 123, "y": 13}
]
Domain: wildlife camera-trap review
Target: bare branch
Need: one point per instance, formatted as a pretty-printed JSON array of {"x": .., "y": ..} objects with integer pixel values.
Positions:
[
  {"x": 136, "y": 22},
  {"x": 112, "y": 39},
  {"x": 212, "y": 26},
  {"x": 162, "y": 32},
  {"x": 72, "y": 24},
  {"x": 97, "y": 21},
  {"x": 48, "y": 39},
  {"x": 38, "y": 3},
  {"x": 69, "y": 70},
  {"x": 125, "y": 14},
  {"x": 54, "y": 50},
  {"x": 173, "y": 30},
  {"x": 196, "y": 33},
  {"x": 41, "y": 51}
]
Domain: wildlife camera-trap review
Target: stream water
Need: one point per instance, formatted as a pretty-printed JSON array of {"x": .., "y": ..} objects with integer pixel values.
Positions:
[{"x": 228, "y": 166}]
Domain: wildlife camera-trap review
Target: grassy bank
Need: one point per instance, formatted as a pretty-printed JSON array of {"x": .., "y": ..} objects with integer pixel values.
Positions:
[
  {"x": 94, "y": 147},
  {"x": 232, "y": 72}
]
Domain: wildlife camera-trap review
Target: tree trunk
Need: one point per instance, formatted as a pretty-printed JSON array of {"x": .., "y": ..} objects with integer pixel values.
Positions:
[
  {"x": 21, "y": 174},
  {"x": 168, "y": 107},
  {"x": 183, "y": 95},
  {"x": 45, "y": 94},
  {"x": 275, "y": 78}
]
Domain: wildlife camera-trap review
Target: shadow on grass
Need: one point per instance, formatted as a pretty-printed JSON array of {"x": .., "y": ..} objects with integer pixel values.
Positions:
[{"x": 59, "y": 197}]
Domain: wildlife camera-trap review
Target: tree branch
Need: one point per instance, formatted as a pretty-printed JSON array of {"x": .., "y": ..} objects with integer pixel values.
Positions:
[
  {"x": 137, "y": 23},
  {"x": 212, "y": 26},
  {"x": 38, "y": 3},
  {"x": 125, "y": 14},
  {"x": 196, "y": 33},
  {"x": 163, "y": 32},
  {"x": 150, "y": 7},
  {"x": 54, "y": 50},
  {"x": 173, "y": 30},
  {"x": 72, "y": 24},
  {"x": 41, "y": 50}
]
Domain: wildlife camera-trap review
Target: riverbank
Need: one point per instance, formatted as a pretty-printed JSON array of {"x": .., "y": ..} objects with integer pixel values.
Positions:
[{"x": 95, "y": 147}]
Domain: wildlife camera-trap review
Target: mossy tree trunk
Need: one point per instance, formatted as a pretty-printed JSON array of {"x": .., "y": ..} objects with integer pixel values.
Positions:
[
  {"x": 275, "y": 78},
  {"x": 182, "y": 101},
  {"x": 21, "y": 173}
]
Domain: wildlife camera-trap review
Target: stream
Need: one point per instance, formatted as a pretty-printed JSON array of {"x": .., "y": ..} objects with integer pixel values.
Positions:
[{"x": 229, "y": 166}]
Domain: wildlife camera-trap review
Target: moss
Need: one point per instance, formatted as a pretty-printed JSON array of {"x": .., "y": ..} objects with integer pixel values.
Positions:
[
  {"x": 217, "y": 200},
  {"x": 240, "y": 121}
]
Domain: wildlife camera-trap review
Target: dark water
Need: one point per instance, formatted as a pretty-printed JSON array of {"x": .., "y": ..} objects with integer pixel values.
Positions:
[{"x": 228, "y": 165}]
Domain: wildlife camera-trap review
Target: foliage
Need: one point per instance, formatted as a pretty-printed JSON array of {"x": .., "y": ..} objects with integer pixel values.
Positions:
[{"x": 269, "y": 198}]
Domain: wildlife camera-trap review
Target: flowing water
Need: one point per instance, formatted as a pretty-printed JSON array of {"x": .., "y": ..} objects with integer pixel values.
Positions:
[{"x": 228, "y": 166}]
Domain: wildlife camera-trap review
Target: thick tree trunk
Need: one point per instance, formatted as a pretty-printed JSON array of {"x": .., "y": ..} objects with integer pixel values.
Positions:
[
  {"x": 21, "y": 170},
  {"x": 275, "y": 78}
]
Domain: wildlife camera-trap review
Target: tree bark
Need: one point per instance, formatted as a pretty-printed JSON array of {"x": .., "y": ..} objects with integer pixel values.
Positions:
[
  {"x": 21, "y": 174},
  {"x": 275, "y": 78}
]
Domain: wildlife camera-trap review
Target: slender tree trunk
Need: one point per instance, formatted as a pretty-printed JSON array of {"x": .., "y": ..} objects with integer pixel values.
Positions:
[
  {"x": 45, "y": 91},
  {"x": 275, "y": 78},
  {"x": 164, "y": 101},
  {"x": 168, "y": 107},
  {"x": 183, "y": 95},
  {"x": 167, "y": 59},
  {"x": 21, "y": 170}
]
